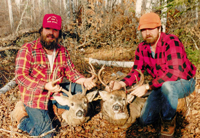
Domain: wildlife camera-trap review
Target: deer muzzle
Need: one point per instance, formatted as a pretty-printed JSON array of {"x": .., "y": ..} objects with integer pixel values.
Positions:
[
  {"x": 117, "y": 107},
  {"x": 80, "y": 113}
]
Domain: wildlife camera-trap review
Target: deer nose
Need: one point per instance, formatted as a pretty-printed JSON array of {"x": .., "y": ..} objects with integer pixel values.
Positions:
[
  {"x": 116, "y": 107},
  {"x": 79, "y": 113}
]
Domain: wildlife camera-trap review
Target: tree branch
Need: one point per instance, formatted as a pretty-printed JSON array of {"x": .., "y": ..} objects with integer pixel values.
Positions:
[
  {"x": 7, "y": 48},
  {"x": 8, "y": 86}
]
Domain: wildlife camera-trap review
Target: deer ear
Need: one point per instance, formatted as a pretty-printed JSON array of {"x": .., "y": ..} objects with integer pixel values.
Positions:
[
  {"x": 62, "y": 100},
  {"x": 90, "y": 96},
  {"x": 104, "y": 95}
]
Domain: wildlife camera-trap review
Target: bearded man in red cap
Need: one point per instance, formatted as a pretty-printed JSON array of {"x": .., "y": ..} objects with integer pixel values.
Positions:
[
  {"x": 163, "y": 56},
  {"x": 35, "y": 64}
]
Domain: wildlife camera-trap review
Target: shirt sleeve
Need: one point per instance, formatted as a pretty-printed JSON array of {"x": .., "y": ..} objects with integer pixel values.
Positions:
[
  {"x": 22, "y": 71},
  {"x": 130, "y": 79}
]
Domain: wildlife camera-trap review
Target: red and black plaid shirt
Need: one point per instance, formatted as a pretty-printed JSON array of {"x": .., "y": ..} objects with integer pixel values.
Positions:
[
  {"x": 170, "y": 62},
  {"x": 33, "y": 72}
]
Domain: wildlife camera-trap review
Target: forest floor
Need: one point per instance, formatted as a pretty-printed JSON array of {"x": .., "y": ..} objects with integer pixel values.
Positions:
[{"x": 187, "y": 122}]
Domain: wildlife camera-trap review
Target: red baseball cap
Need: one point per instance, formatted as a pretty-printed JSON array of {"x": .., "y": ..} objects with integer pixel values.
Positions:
[
  {"x": 52, "y": 21},
  {"x": 149, "y": 20}
]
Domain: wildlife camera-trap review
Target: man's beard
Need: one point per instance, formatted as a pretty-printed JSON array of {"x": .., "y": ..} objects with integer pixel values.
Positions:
[
  {"x": 151, "y": 39},
  {"x": 49, "y": 45}
]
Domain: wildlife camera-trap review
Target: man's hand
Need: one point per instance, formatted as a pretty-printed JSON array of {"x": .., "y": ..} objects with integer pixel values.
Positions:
[
  {"x": 52, "y": 86},
  {"x": 115, "y": 85},
  {"x": 88, "y": 83},
  {"x": 140, "y": 91}
]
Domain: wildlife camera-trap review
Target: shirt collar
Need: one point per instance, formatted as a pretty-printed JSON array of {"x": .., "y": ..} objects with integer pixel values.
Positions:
[{"x": 159, "y": 44}]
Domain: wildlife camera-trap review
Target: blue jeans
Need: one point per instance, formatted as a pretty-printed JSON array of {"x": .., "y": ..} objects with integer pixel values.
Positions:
[
  {"x": 163, "y": 101},
  {"x": 41, "y": 121}
]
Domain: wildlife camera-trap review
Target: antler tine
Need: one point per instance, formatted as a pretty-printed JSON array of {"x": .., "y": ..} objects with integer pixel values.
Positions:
[
  {"x": 136, "y": 79},
  {"x": 141, "y": 77},
  {"x": 70, "y": 89},
  {"x": 54, "y": 78},
  {"x": 83, "y": 90},
  {"x": 138, "y": 83},
  {"x": 99, "y": 75},
  {"x": 92, "y": 71},
  {"x": 54, "y": 75},
  {"x": 66, "y": 92}
]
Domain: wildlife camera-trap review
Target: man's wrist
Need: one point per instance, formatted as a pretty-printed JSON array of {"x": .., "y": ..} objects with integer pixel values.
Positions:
[{"x": 147, "y": 86}]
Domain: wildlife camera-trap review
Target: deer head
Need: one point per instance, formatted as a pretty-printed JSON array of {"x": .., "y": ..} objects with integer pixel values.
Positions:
[
  {"x": 115, "y": 106},
  {"x": 78, "y": 104}
]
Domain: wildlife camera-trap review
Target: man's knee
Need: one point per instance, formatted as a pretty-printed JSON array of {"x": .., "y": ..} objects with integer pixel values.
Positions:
[{"x": 166, "y": 88}]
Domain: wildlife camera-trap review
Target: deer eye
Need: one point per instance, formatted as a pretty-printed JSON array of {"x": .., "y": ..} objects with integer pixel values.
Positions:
[
  {"x": 72, "y": 104},
  {"x": 124, "y": 99}
]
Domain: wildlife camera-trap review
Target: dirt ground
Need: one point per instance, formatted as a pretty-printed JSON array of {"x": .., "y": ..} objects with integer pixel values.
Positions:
[{"x": 187, "y": 119}]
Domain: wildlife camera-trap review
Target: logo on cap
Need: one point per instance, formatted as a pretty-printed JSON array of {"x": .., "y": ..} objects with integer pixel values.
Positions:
[{"x": 52, "y": 19}]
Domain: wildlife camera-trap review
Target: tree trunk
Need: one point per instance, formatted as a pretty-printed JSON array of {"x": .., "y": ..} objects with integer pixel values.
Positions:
[
  {"x": 148, "y": 6},
  {"x": 71, "y": 10},
  {"x": 164, "y": 15},
  {"x": 60, "y": 2},
  {"x": 39, "y": 5},
  {"x": 18, "y": 2},
  {"x": 138, "y": 8},
  {"x": 10, "y": 14},
  {"x": 197, "y": 10},
  {"x": 33, "y": 14},
  {"x": 64, "y": 4}
]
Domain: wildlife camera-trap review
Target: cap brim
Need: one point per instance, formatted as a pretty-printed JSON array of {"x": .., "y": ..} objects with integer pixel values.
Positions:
[
  {"x": 146, "y": 26},
  {"x": 51, "y": 26}
]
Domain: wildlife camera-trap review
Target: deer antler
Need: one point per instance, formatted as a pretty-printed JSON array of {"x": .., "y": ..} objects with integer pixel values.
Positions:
[
  {"x": 63, "y": 90},
  {"x": 137, "y": 83},
  {"x": 83, "y": 90},
  {"x": 99, "y": 76},
  {"x": 92, "y": 71},
  {"x": 132, "y": 88}
]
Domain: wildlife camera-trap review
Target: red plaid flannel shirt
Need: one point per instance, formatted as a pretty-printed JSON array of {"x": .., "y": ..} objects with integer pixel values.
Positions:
[
  {"x": 170, "y": 62},
  {"x": 33, "y": 72}
]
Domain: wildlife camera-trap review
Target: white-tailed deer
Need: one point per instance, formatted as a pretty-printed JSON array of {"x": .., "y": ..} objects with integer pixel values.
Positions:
[
  {"x": 78, "y": 103},
  {"x": 115, "y": 108}
]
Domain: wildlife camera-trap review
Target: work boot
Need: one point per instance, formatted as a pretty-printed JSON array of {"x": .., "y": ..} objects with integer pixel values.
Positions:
[
  {"x": 168, "y": 128},
  {"x": 19, "y": 112}
]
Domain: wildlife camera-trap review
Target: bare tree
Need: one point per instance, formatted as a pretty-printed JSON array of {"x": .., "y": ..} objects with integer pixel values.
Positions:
[
  {"x": 21, "y": 19},
  {"x": 138, "y": 8},
  {"x": 18, "y": 2},
  {"x": 150, "y": 5},
  {"x": 197, "y": 16},
  {"x": 10, "y": 14},
  {"x": 164, "y": 15},
  {"x": 39, "y": 5},
  {"x": 60, "y": 1}
]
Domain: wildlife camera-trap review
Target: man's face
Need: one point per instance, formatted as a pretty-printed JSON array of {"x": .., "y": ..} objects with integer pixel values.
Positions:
[
  {"x": 150, "y": 35},
  {"x": 49, "y": 38}
]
